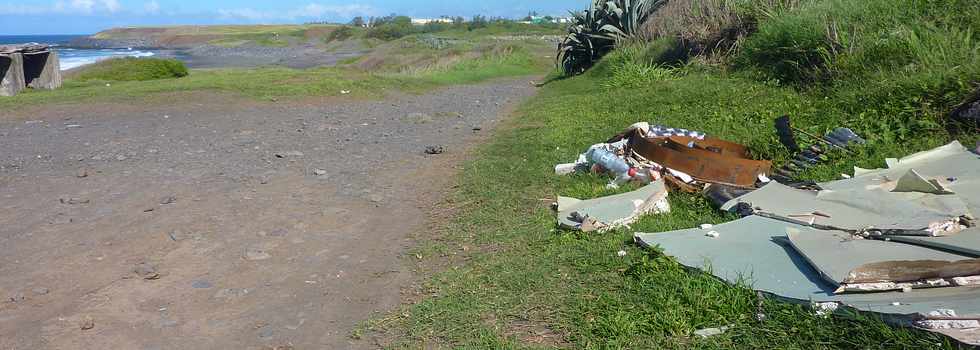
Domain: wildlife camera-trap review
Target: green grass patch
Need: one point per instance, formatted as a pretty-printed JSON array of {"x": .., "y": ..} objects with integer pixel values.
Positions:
[
  {"x": 132, "y": 69},
  {"x": 274, "y": 83},
  {"x": 525, "y": 276},
  {"x": 522, "y": 281}
]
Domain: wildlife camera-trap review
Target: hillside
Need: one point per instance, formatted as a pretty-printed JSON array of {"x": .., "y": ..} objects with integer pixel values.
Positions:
[{"x": 182, "y": 37}]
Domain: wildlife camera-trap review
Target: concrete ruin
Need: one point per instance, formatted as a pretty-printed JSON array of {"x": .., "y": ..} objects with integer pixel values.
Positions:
[{"x": 24, "y": 66}]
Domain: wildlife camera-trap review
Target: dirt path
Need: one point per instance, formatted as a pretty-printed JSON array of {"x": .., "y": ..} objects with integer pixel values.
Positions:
[{"x": 258, "y": 226}]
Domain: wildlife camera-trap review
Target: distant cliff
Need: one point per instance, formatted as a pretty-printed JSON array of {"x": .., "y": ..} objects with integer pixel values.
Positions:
[{"x": 187, "y": 37}]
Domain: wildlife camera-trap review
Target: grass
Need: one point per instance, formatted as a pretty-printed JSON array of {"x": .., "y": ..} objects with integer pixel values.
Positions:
[
  {"x": 132, "y": 69},
  {"x": 275, "y": 83},
  {"x": 525, "y": 276},
  {"x": 516, "y": 282}
]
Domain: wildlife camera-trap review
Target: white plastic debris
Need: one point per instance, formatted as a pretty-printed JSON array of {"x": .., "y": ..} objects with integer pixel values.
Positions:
[
  {"x": 707, "y": 226},
  {"x": 966, "y": 281},
  {"x": 681, "y": 175},
  {"x": 565, "y": 169},
  {"x": 711, "y": 332},
  {"x": 825, "y": 309},
  {"x": 845, "y": 176},
  {"x": 713, "y": 234},
  {"x": 344, "y": 92},
  {"x": 896, "y": 304},
  {"x": 764, "y": 179},
  {"x": 621, "y": 253},
  {"x": 940, "y": 323}
]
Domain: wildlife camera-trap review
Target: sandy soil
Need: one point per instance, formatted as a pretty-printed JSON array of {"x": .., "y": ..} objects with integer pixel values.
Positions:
[{"x": 216, "y": 223}]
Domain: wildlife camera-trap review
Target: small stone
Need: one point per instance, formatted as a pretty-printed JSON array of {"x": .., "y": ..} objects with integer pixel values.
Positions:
[
  {"x": 16, "y": 298},
  {"x": 435, "y": 150},
  {"x": 279, "y": 232},
  {"x": 74, "y": 201},
  {"x": 419, "y": 118},
  {"x": 376, "y": 198},
  {"x": 266, "y": 332},
  {"x": 319, "y": 172},
  {"x": 87, "y": 323},
  {"x": 167, "y": 323},
  {"x": 289, "y": 154},
  {"x": 81, "y": 173},
  {"x": 201, "y": 285},
  {"x": 256, "y": 254},
  {"x": 231, "y": 293},
  {"x": 146, "y": 271},
  {"x": 168, "y": 200},
  {"x": 40, "y": 291}
]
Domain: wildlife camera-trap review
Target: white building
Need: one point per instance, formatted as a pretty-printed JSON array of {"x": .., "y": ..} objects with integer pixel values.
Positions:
[{"x": 424, "y": 21}]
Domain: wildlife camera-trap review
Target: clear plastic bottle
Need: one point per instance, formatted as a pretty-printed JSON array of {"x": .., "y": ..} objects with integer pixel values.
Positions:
[{"x": 612, "y": 164}]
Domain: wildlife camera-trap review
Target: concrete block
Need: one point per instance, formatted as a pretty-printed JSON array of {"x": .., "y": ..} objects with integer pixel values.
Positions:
[
  {"x": 42, "y": 70},
  {"x": 11, "y": 74}
]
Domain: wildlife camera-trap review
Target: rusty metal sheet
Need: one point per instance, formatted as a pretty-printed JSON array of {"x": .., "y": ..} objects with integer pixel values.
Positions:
[{"x": 712, "y": 161}]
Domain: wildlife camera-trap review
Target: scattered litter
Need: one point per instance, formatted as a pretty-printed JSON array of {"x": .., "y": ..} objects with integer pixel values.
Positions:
[
  {"x": 825, "y": 309},
  {"x": 344, "y": 92},
  {"x": 707, "y": 226},
  {"x": 566, "y": 169},
  {"x": 713, "y": 234},
  {"x": 606, "y": 213},
  {"x": 711, "y": 332},
  {"x": 913, "y": 182},
  {"x": 621, "y": 253},
  {"x": 845, "y": 176},
  {"x": 319, "y": 172},
  {"x": 899, "y": 241}
]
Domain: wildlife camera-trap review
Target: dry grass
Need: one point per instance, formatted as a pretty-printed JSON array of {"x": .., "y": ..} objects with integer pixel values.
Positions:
[{"x": 704, "y": 27}]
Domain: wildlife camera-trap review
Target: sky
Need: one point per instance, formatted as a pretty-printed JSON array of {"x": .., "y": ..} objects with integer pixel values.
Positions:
[{"x": 26, "y": 17}]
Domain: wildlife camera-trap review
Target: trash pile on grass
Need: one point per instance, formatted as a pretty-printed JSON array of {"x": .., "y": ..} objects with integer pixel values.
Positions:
[{"x": 901, "y": 241}]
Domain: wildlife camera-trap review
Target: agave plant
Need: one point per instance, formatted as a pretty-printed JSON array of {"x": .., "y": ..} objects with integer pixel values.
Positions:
[{"x": 595, "y": 32}]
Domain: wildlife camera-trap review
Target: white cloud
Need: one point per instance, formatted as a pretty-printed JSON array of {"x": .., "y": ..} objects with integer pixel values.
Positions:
[
  {"x": 82, "y": 5},
  {"x": 152, "y": 7},
  {"x": 312, "y": 10},
  {"x": 111, "y": 5},
  {"x": 85, "y": 7}
]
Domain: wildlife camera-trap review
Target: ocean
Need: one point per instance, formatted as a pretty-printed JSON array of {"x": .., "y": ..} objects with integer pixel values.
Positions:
[{"x": 73, "y": 57}]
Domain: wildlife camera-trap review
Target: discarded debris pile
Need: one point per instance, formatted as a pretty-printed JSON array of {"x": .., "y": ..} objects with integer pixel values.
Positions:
[
  {"x": 28, "y": 66},
  {"x": 900, "y": 241},
  {"x": 683, "y": 159}
]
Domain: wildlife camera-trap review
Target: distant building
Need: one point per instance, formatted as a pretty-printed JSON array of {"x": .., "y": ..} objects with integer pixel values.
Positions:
[{"x": 424, "y": 21}]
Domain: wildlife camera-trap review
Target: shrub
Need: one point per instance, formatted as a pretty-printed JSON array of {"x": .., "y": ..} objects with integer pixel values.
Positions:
[
  {"x": 391, "y": 28},
  {"x": 790, "y": 49},
  {"x": 708, "y": 27},
  {"x": 340, "y": 34},
  {"x": 133, "y": 69},
  {"x": 596, "y": 31}
]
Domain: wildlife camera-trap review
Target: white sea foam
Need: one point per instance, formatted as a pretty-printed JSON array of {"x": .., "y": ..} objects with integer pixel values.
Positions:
[{"x": 76, "y": 58}]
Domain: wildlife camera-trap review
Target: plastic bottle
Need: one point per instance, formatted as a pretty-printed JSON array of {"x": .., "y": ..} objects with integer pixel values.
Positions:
[{"x": 613, "y": 164}]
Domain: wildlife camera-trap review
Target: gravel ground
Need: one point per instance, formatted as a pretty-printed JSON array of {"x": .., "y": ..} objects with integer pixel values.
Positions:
[{"x": 216, "y": 223}]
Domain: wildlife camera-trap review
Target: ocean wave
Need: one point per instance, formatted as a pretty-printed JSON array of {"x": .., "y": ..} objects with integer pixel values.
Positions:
[{"x": 78, "y": 58}]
